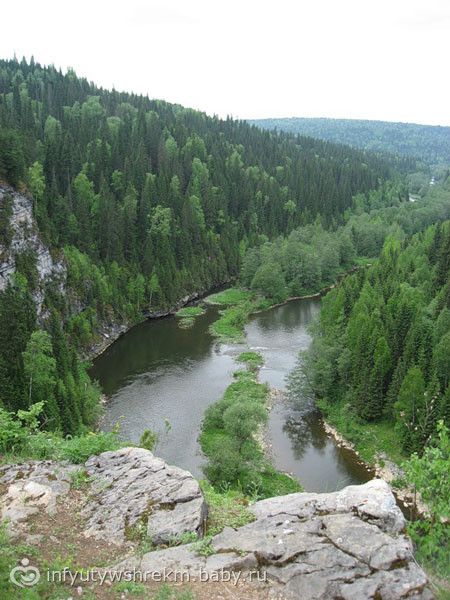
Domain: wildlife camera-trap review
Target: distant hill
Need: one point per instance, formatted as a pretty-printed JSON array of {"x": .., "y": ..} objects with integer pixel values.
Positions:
[{"x": 429, "y": 143}]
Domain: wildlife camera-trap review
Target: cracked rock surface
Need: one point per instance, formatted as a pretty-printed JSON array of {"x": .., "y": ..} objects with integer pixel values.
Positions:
[
  {"x": 132, "y": 487},
  {"x": 128, "y": 488},
  {"x": 344, "y": 545},
  {"x": 32, "y": 487},
  {"x": 24, "y": 238}
]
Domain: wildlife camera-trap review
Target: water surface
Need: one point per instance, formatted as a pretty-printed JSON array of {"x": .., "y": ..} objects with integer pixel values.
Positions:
[
  {"x": 300, "y": 445},
  {"x": 162, "y": 377}
]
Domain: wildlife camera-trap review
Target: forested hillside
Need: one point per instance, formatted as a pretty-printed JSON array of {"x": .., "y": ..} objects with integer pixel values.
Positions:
[
  {"x": 430, "y": 144},
  {"x": 145, "y": 203},
  {"x": 311, "y": 258},
  {"x": 381, "y": 351}
]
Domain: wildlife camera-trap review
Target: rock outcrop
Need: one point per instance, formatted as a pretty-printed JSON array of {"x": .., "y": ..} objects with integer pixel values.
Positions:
[
  {"x": 347, "y": 545},
  {"x": 24, "y": 237},
  {"x": 132, "y": 487},
  {"x": 129, "y": 488}
]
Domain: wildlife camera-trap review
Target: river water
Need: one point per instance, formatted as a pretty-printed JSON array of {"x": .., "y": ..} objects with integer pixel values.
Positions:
[{"x": 162, "y": 377}]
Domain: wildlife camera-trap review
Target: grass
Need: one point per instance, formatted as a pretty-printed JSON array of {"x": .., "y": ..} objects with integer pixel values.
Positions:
[
  {"x": 130, "y": 587},
  {"x": 11, "y": 555},
  {"x": 229, "y": 327},
  {"x": 252, "y": 360},
  {"x": 237, "y": 304},
  {"x": 79, "y": 479},
  {"x": 186, "y": 322},
  {"x": 167, "y": 592},
  {"x": 230, "y": 297},
  {"x": 42, "y": 445},
  {"x": 369, "y": 439},
  {"x": 190, "y": 312},
  {"x": 228, "y": 508}
]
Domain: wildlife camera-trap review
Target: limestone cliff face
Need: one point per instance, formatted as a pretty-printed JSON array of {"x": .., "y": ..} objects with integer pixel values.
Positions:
[
  {"x": 346, "y": 545},
  {"x": 23, "y": 236}
]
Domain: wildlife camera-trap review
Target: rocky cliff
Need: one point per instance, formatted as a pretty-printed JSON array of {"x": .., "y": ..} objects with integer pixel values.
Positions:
[
  {"x": 21, "y": 235},
  {"x": 349, "y": 544}
]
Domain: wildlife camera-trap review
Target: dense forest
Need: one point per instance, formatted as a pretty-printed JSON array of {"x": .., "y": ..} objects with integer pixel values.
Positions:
[
  {"x": 381, "y": 349},
  {"x": 145, "y": 202},
  {"x": 311, "y": 258},
  {"x": 430, "y": 144}
]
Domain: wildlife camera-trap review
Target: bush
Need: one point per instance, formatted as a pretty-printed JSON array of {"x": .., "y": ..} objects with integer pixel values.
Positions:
[
  {"x": 190, "y": 312},
  {"x": 429, "y": 474},
  {"x": 235, "y": 458},
  {"x": 253, "y": 360},
  {"x": 20, "y": 438}
]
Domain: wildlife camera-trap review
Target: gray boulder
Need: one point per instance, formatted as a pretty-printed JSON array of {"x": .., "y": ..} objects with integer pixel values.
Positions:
[
  {"x": 345, "y": 545},
  {"x": 132, "y": 488}
]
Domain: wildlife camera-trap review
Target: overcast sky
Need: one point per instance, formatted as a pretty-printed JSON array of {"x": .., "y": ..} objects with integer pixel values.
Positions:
[{"x": 374, "y": 59}]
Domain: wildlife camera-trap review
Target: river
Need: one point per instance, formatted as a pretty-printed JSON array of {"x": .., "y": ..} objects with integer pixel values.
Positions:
[{"x": 162, "y": 377}]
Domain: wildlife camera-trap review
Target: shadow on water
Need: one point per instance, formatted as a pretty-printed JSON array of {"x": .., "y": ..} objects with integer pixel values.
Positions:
[
  {"x": 158, "y": 371},
  {"x": 299, "y": 443}
]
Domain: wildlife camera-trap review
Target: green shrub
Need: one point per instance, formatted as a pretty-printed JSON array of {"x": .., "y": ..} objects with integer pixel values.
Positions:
[
  {"x": 253, "y": 360},
  {"x": 20, "y": 438},
  {"x": 190, "y": 311},
  {"x": 429, "y": 474}
]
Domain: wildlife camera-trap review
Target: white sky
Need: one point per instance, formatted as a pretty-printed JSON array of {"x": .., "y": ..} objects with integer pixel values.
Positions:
[{"x": 374, "y": 59}]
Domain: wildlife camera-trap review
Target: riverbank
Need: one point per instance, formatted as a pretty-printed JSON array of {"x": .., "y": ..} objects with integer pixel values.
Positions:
[
  {"x": 238, "y": 304},
  {"x": 108, "y": 334},
  {"x": 234, "y": 440},
  {"x": 384, "y": 468}
]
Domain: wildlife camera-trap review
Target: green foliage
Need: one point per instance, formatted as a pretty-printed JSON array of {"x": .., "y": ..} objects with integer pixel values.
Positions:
[
  {"x": 229, "y": 327},
  {"x": 130, "y": 587},
  {"x": 204, "y": 546},
  {"x": 148, "y": 440},
  {"x": 235, "y": 458},
  {"x": 22, "y": 439},
  {"x": 369, "y": 439},
  {"x": 429, "y": 474},
  {"x": 167, "y": 592},
  {"x": 186, "y": 322},
  {"x": 10, "y": 556},
  {"x": 17, "y": 321},
  {"x": 79, "y": 479},
  {"x": 303, "y": 263},
  {"x": 229, "y": 297},
  {"x": 190, "y": 311},
  {"x": 269, "y": 281},
  {"x": 253, "y": 360},
  {"x": 40, "y": 370},
  {"x": 6, "y": 231},
  {"x": 427, "y": 142},
  {"x": 381, "y": 344},
  {"x": 12, "y": 161},
  {"x": 149, "y": 202},
  {"x": 228, "y": 508}
]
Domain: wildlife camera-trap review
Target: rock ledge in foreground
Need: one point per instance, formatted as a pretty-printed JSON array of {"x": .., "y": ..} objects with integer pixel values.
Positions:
[
  {"x": 131, "y": 487},
  {"x": 346, "y": 545}
]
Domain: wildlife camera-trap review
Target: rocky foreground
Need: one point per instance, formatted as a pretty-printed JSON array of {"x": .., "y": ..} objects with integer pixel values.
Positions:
[{"x": 345, "y": 545}]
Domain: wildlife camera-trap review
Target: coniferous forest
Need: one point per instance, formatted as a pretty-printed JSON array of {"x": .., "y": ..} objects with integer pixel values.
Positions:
[
  {"x": 141, "y": 206},
  {"x": 146, "y": 203},
  {"x": 430, "y": 144},
  {"x": 381, "y": 349}
]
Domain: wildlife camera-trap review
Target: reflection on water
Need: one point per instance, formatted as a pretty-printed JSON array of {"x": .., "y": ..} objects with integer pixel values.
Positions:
[
  {"x": 300, "y": 444},
  {"x": 158, "y": 371}
]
